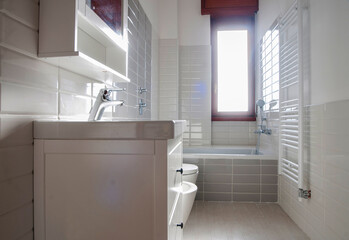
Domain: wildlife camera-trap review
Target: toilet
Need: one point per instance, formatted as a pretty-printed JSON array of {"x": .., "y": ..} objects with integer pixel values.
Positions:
[
  {"x": 189, "y": 189},
  {"x": 190, "y": 173}
]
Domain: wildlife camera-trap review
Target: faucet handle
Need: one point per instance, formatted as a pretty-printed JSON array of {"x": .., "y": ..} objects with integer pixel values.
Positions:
[
  {"x": 116, "y": 89},
  {"x": 107, "y": 92},
  {"x": 142, "y": 90},
  {"x": 142, "y": 103}
]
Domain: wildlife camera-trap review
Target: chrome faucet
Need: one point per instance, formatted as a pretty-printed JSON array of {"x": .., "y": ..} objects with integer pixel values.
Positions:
[
  {"x": 262, "y": 128},
  {"x": 142, "y": 90},
  {"x": 141, "y": 105},
  {"x": 103, "y": 101}
]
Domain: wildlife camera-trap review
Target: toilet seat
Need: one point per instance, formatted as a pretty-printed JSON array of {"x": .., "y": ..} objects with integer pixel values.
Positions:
[{"x": 190, "y": 169}]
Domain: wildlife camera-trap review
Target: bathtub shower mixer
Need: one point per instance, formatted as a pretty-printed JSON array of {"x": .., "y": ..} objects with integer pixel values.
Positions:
[
  {"x": 103, "y": 101},
  {"x": 262, "y": 128}
]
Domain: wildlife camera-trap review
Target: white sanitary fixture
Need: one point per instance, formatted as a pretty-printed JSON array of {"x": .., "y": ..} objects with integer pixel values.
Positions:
[
  {"x": 103, "y": 101},
  {"x": 189, "y": 189}
]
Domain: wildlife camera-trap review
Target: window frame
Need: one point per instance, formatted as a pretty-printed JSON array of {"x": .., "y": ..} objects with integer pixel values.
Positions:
[{"x": 233, "y": 23}]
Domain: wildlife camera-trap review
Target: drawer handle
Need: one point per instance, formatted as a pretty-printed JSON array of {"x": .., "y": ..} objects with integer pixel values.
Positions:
[
  {"x": 180, "y": 170},
  {"x": 180, "y": 225}
]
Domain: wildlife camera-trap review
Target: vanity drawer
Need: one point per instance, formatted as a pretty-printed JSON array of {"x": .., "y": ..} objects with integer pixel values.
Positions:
[
  {"x": 174, "y": 177},
  {"x": 175, "y": 152},
  {"x": 175, "y": 230}
]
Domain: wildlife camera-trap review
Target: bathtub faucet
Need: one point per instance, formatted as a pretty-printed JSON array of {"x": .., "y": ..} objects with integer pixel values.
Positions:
[
  {"x": 103, "y": 101},
  {"x": 262, "y": 128}
]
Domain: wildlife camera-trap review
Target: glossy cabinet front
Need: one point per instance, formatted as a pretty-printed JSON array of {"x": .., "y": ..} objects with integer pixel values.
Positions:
[{"x": 107, "y": 189}]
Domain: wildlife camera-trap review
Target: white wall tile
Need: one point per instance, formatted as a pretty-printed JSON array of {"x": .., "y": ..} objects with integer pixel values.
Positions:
[
  {"x": 16, "y": 131},
  {"x": 25, "y": 100},
  {"x": 74, "y": 106},
  {"x": 74, "y": 83},
  {"x": 195, "y": 94},
  {"x": 18, "y": 191},
  {"x": 233, "y": 133},
  {"x": 15, "y": 162},
  {"x": 168, "y": 80},
  {"x": 326, "y": 215},
  {"x": 17, "y": 223},
  {"x": 18, "y": 68},
  {"x": 26, "y": 11},
  {"x": 15, "y": 34}
]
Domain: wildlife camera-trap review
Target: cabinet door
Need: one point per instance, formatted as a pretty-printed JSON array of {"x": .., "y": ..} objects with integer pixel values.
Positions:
[
  {"x": 174, "y": 163},
  {"x": 175, "y": 232},
  {"x": 99, "y": 197}
]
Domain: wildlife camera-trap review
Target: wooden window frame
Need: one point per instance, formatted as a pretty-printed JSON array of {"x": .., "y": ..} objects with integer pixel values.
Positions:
[
  {"x": 233, "y": 23},
  {"x": 229, "y": 7}
]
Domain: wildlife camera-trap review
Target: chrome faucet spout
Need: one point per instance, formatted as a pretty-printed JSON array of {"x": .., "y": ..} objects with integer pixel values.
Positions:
[{"x": 103, "y": 101}]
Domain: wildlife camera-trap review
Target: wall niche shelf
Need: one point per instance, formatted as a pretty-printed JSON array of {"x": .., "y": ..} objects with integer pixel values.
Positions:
[{"x": 73, "y": 37}]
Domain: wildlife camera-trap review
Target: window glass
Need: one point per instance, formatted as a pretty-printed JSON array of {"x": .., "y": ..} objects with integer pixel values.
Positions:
[
  {"x": 232, "y": 54},
  {"x": 269, "y": 68},
  {"x": 233, "y": 85}
]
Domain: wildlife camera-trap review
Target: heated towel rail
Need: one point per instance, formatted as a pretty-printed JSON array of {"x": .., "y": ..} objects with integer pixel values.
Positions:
[{"x": 291, "y": 94}]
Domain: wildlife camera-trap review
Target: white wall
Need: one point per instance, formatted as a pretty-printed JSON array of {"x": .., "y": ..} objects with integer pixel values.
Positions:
[
  {"x": 329, "y": 37},
  {"x": 151, "y": 8},
  {"x": 168, "y": 19},
  {"x": 329, "y": 50},
  {"x": 194, "y": 28},
  {"x": 269, "y": 10}
]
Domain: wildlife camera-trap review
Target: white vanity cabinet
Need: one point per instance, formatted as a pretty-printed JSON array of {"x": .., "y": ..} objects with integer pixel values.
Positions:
[{"x": 120, "y": 180}]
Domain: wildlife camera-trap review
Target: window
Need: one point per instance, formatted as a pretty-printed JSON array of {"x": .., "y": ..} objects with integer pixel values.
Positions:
[
  {"x": 269, "y": 68},
  {"x": 233, "y": 69}
]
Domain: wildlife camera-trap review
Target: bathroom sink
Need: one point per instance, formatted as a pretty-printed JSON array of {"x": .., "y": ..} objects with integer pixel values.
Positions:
[{"x": 108, "y": 129}]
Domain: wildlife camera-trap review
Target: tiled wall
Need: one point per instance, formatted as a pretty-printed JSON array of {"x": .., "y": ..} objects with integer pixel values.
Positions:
[
  {"x": 155, "y": 77},
  {"x": 326, "y": 214},
  {"x": 240, "y": 180},
  {"x": 168, "y": 79},
  {"x": 185, "y": 93},
  {"x": 31, "y": 89},
  {"x": 195, "y": 93},
  {"x": 139, "y": 63},
  {"x": 234, "y": 133},
  {"x": 270, "y": 143}
]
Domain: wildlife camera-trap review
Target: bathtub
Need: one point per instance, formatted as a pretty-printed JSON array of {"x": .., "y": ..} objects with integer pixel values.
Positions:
[
  {"x": 245, "y": 152},
  {"x": 234, "y": 173}
]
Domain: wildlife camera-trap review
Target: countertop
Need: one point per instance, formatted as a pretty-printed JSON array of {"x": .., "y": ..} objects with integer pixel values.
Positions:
[{"x": 108, "y": 129}]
